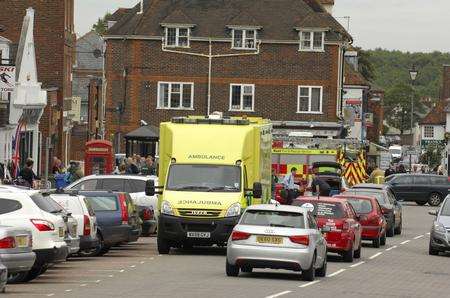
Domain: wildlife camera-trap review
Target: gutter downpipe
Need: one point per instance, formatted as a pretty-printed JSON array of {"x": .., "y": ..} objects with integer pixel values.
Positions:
[{"x": 208, "y": 104}]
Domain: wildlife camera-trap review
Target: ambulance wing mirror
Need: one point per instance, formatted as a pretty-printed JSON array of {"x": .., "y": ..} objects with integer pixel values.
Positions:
[
  {"x": 150, "y": 188},
  {"x": 257, "y": 190}
]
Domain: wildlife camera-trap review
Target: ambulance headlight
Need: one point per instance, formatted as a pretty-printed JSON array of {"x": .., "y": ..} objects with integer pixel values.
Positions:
[
  {"x": 166, "y": 208},
  {"x": 234, "y": 210}
]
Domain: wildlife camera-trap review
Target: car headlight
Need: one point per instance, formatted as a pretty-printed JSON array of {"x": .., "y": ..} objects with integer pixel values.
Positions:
[
  {"x": 234, "y": 210},
  {"x": 166, "y": 208},
  {"x": 439, "y": 228}
]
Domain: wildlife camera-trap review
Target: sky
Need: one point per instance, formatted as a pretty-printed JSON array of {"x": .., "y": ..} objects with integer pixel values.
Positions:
[{"x": 406, "y": 25}]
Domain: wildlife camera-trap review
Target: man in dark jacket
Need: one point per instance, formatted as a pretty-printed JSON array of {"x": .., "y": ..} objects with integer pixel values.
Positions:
[{"x": 27, "y": 173}]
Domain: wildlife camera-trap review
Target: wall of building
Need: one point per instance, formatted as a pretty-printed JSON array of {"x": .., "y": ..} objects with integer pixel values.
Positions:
[{"x": 439, "y": 132}]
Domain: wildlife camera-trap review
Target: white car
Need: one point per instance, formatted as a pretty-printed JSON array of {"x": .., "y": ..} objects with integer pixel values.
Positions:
[
  {"x": 82, "y": 212},
  {"x": 26, "y": 210}
]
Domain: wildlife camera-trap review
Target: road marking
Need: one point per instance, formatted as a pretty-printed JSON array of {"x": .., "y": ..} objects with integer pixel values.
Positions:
[
  {"x": 279, "y": 294},
  {"x": 376, "y": 255},
  {"x": 357, "y": 264},
  {"x": 142, "y": 262},
  {"x": 111, "y": 275},
  {"x": 404, "y": 242},
  {"x": 98, "y": 281},
  {"x": 69, "y": 290},
  {"x": 418, "y": 237},
  {"x": 106, "y": 270},
  {"x": 133, "y": 266},
  {"x": 336, "y": 273},
  {"x": 50, "y": 295},
  {"x": 428, "y": 233},
  {"x": 122, "y": 270},
  {"x": 309, "y": 284},
  {"x": 391, "y": 248},
  {"x": 83, "y": 285}
]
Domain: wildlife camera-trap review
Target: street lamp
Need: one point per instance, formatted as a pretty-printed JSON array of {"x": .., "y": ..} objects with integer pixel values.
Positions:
[{"x": 413, "y": 72}]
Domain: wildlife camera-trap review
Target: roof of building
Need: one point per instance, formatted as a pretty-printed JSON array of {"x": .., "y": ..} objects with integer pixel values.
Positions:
[
  {"x": 145, "y": 132},
  {"x": 278, "y": 19},
  {"x": 436, "y": 116},
  {"x": 118, "y": 14},
  {"x": 353, "y": 77},
  {"x": 86, "y": 45}
]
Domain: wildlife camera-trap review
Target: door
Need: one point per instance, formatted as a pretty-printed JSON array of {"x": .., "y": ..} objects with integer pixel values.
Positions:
[
  {"x": 397, "y": 207},
  {"x": 421, "y": 188},
  {"x": 402, "y": 186},
  {"x": 355, "y": 225}
]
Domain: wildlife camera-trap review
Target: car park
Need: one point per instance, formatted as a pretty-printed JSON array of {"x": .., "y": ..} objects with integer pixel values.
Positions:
[
  {"x": 344, "y": 238},
  {"x": 419, "y": 188},
  {"x": 390, "y": 207},
  {"x": 440, "y": 230},
  {"x": 132, "y": 184},
  {"x": 16, "y": 251},
  {"x": 3, "y": 277},
  {"x": 117, "y": 222},
  {"x": 277, "y": 237},
  {"x": 370, "y": 217}
]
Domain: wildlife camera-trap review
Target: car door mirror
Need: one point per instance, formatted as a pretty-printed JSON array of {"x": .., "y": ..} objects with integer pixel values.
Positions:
[
  {"x": 325, "y": 229},
  {"x": 433, "y": 212},
  {"x": 150, "y": 188},
  {"x": 257, "y": 190}
]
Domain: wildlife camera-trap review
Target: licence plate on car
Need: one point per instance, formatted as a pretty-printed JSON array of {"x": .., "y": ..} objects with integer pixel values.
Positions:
[
  {"x": 198, "y": 234},
  {"x": 22, "y": 241},
  {"x": 269, "y": 239},
  {"x": 61, "y": 232}
]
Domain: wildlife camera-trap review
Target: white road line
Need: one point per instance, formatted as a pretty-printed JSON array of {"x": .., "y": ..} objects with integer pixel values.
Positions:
[
  {"x": 279, "y": 294},
  {"x": 336, "y": 273},
  {"x": 428, "y": 233},
  {"x": 83, "y": 285},
  {"x": 50, "y": 295},
  {"x": 106, "y": 270},
  {"x": 98, "y": 281},
  {"x": 152, "y": 258},
  {"x": 142, "y": 262},
  {"x": 159, "y": 255},
  {"x": 122, "y": 270},
  {"x": 69, "y": 290},
  {"x": 404, "y": 242},
  {"x": 309, "y": 284},
  {"x": 133, "y": 266},
  {"x": 376, "y": 255},
  {"x": 357, "y": 264},
  {"x": 418, "y": 237},
  {"x": 111, "y": 275},
  {"x": 391, "y": 248}
]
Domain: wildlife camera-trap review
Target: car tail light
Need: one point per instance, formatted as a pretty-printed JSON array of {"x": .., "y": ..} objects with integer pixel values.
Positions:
[
  {"x": 236, "y": 235},
  {"x": 123, "y": 208},
  {"x": 147, "y": 214},
  {"x": 86, "y": 226},
  {"x": 42, "y": 225},
  {"x": 8, "y": 242},
  {"x": 300, "y": 239}
]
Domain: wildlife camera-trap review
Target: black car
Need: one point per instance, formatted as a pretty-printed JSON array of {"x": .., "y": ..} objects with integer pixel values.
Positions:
[
  {"x": 390, "y": 207},
  {"x": 419, "y": 188}
]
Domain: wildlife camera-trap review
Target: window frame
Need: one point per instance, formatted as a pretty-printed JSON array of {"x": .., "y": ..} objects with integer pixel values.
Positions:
[
  {"x": 177, "y": 37},
  {"x": 159, "y": 107},
  {"x": 244, "y": 38},
  {"x": 231, "y": 109},
  {"x": 309, "y": 111},
  {"x": 311, "y": 40},
  {"x": 427, "y": 136}
]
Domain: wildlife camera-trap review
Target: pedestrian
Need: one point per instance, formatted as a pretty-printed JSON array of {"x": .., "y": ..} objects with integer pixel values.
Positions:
[
  {"x": 377, "y": 176},
  {"x": 148, "y": 169},
  {"x": 27, "y": 176},
  {"x": 290, "y": 187},
  {"x": 440, "y": 170},
  {"x": 401, "y": 169},
  {"x": 319, "y": 186},
  {"x": 132, "y": 168},
  {"x": 389, "y": 171},
  {"x": 74, "y": 172},
  {"x": 57, "y": 166},
  {"x": 122, "y": 169}
]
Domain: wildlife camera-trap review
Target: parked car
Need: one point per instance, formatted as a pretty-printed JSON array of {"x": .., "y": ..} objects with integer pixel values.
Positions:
[
  {"x": 419, "y": 188},
  {"x": 370, "y": 217},
  {"x": 440, "y": 230},
  {"x": 117, "y": 219},
  {"x": 344, "y": 237},
  {"x": 82, "y": 211},
  {"x": 277, "y": 237},
  {"x": 28, "y": 209},
  {"x": 131, "y": 184},
  {"x": 3, "y": 277},
  {"x": 16, "y": 251},
  {"x": 390, "y": 207}
]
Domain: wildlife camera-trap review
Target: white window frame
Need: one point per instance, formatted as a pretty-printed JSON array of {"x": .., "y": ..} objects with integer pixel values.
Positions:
[
  {"x": 311, "y": 40},
  {"x": 177, "y": 37},
  {"x": 159, "y": 107},
  {"x": 425, "y": 136},
  {"x": 231, "y": 109},
  {"x": 309, "y": 100},
  {"x": 244, "y": 38}
]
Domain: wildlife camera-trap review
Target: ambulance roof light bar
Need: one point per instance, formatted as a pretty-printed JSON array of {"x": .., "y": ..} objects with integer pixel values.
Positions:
[{"x": 223, "y": 121}]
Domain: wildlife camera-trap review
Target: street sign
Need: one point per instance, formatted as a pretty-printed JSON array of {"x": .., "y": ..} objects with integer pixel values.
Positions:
[
  {"x": 412, "y": 150},
  {"x": 7, "y": 78},
  {"x": 385, "y": 160}
]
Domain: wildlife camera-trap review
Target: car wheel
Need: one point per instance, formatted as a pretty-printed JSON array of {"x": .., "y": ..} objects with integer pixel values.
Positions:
[
  {"x": 376, "y": 242},
  {"x": 231, "y": 270},
  {"x": 348, "y": 255},
  {"x": 357, "y": 253},
  {"x": 435, "y": 199},
  {"x": 322, "y": 271},
  {"x": 391, "y": 231},
  {"x": 398, "y": 230},
  {"x": 247, "y": 269},
  {"x": 163, "y": 246},
  {"x": 33, "y": 273},
  {"x": 310, "y": 273},
  {"x": 420, "y": 203},
  {"x": 17, "y": 277},
  {"x": 383, "y": 239},
  {"x": 432, "y": 251}
]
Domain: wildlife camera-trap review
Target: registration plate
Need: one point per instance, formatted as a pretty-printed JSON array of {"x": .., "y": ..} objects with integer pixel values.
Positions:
[
  {"x": 22, "y": 241},
  {"x": 269, "y": 239},
  {"x": 61, "y": 232},
  {"x": 198, "y": 234}
]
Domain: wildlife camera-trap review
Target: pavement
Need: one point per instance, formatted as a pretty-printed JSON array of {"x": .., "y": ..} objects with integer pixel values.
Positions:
[{"x": 402, "y": 268}]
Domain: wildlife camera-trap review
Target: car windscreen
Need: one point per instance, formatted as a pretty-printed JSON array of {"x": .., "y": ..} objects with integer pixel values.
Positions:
[
  {"x": 361, "y": 206},
  {"x": 8, "y": 206},
  {"x": 46, "y": 203},
  {"x": 103, "y": 203},
  {"x": 446, "y": 208},
  {"x": 323, "y": 209},
  {"x": 273, "y": 219},
  {"x": 381, "y": 198},
  {"x": 220, "y": 178}
]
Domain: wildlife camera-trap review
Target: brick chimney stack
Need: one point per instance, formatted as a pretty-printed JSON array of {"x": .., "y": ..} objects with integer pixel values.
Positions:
[{"x": 328, "y": 5}]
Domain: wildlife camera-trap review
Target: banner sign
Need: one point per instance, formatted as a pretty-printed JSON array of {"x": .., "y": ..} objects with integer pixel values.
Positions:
[
  {"x": 303, "y": 151},
  {"x": 7, "y": 78}
]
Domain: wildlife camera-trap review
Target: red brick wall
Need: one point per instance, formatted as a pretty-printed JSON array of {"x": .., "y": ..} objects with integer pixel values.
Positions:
[
  {"x": 376, "y": 107},
  {"x": 78, "y": 141},
  {"x": 276, "y": 72}
]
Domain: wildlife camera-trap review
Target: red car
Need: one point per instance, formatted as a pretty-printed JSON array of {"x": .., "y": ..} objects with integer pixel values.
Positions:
[
  {"x": 345, "y": 232},
  {"x": 370, "y": 216}
]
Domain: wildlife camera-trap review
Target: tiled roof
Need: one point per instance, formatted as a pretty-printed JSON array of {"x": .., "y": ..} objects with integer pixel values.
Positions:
[
  {"x": 118, "y": 14},
  {"x": 436, "y": 116},
  {"x": 353, "y": 77},
  {"x": 278, "y": 18}
]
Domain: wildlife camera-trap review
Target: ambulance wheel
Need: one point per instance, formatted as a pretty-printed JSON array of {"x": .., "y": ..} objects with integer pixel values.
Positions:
[{"x": 163, "y": 246}]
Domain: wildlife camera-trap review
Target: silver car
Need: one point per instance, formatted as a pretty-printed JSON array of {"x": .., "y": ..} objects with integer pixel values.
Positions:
[
  {"x": 440, "y": 231},
  {"x": 277, "y": 237}
]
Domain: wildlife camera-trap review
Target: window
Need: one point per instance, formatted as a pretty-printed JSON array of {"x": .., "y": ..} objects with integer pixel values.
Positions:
[
  {"x": 175, "y": 95},
  {"x": 404, "y": 180},
  {"x": 113, "y": 184},
  {"x": 421, "y": 180},
  {"x": 428, "y": 132},
  {"x": 244, "y": 39},
  {"x": 312, "y": 40},
  {"x": 86, "y": 185},
  {"x": 242, "y": 97},
  {"x": 7, "y": 206},
  {"x": 103, "y": 203},
  {"x": 177, "y": 37},
  {"x": 309, "y": 99},
  {"x": 46, "y": 203},
  {"x": 134, "y": 186},
  {"x": 273, "y": 219}
]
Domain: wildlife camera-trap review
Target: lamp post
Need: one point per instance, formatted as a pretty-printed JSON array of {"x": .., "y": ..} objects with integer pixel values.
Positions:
[{"x": 413, "y": 75}]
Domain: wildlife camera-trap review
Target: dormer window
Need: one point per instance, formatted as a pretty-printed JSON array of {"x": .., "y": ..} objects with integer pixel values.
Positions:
[
  {"x": 244, "y": 39},
  {"x": 312, "y": 40},
  {"x": 177, "y": 37}
]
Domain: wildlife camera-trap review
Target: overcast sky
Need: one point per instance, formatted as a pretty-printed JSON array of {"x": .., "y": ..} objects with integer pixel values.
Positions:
[{"x": 407, "y": 25}]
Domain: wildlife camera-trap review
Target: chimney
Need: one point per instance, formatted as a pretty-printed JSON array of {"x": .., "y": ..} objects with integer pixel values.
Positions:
[
  {"x": 142, "y": 7},
  {"x": 328, "y": 5}
]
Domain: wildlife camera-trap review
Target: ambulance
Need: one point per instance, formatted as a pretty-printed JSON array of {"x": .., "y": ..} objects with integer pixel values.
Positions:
[{"x": 211, "y": 169}]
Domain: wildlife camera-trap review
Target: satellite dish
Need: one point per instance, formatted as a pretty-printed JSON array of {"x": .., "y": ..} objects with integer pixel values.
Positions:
[{"x": 97, "y": 53}]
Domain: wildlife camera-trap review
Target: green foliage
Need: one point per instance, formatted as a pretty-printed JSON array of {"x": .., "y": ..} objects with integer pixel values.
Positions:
[
  {"x": 365, "y": 65},
  {"x": 102, "y": 24},
  {"x": 433, "y": 154}
]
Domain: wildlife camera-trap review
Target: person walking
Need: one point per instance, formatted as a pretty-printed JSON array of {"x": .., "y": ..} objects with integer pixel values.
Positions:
[
  {"x": 290, "y": 187},
  {"x": 389, "y": 171},
  {"x": 74, "y": 172}
]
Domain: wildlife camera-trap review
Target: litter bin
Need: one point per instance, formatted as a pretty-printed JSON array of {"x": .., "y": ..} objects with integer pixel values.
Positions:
[{"x": 61, "y": 181}]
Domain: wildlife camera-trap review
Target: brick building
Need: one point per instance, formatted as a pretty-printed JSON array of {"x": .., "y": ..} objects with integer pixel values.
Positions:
[
  {"x": 277, "y": 59},
  {"x": 54, "y": 42}
]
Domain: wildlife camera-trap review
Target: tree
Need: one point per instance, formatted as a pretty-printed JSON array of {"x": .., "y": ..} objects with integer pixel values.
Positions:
[
  {"x": 365, "y": 66},
  {"x": 397, "y": 106},
  {"x": 102, "y": 24},
  {"x": 433, "y": 155}
]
